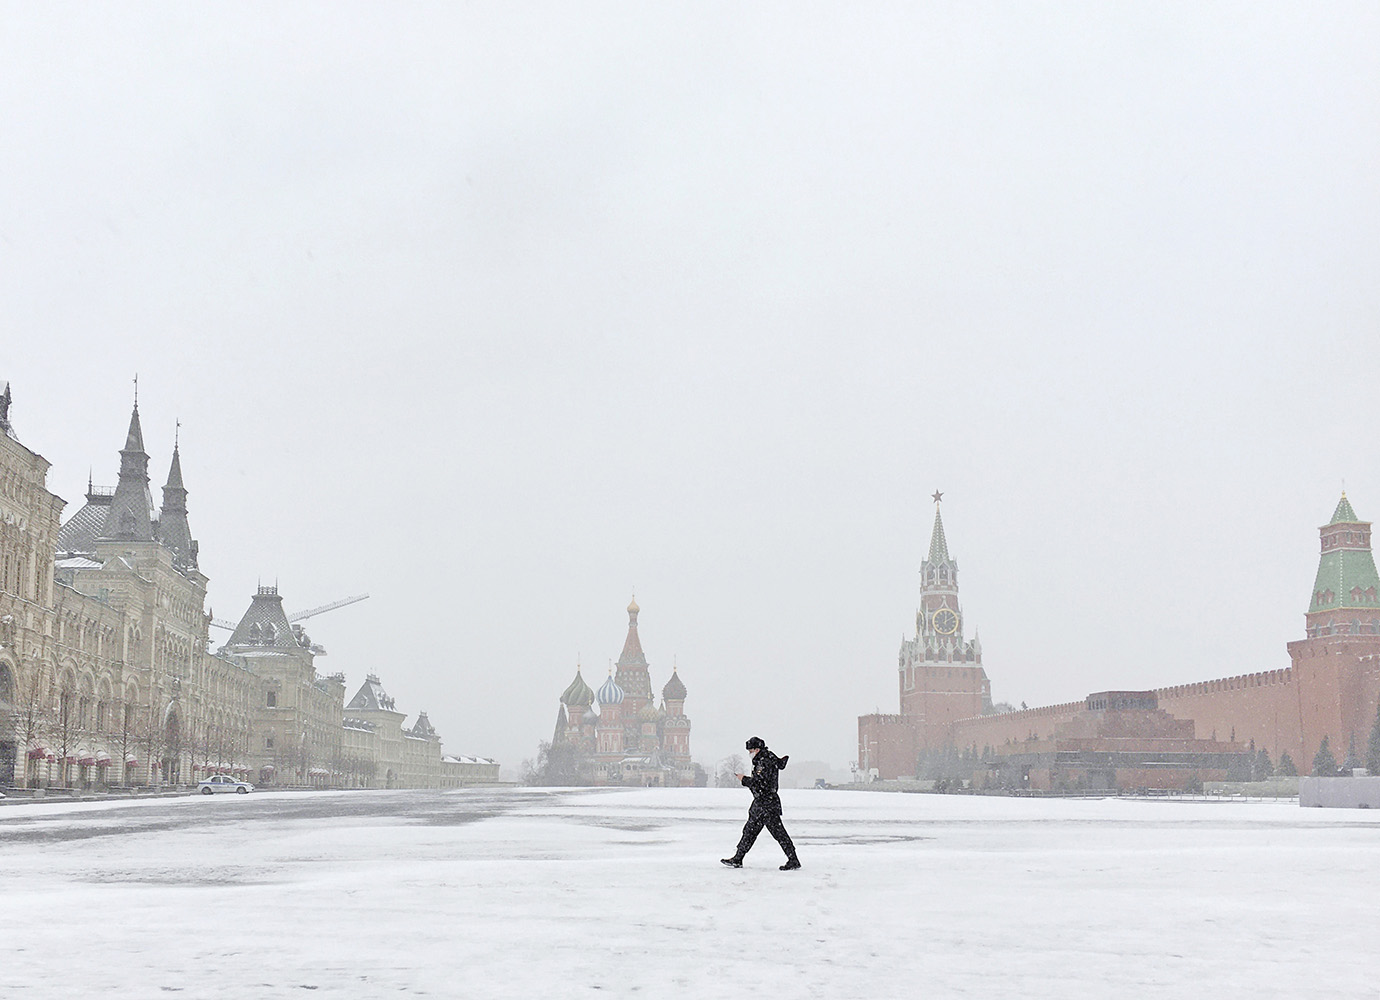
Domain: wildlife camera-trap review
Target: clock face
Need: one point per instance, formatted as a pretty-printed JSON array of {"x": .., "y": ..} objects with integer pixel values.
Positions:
[{"x": 945, "y": 622}]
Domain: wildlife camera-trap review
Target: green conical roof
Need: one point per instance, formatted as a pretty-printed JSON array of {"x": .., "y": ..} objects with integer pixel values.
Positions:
[
  {"x": 1347, "y": 579},
  {"x": 1344, "y": 514},
  {"x": 939, "y": 548}
]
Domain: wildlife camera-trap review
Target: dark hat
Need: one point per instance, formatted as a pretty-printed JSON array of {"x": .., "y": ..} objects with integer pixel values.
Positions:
[{"x": 756, "y": 743}]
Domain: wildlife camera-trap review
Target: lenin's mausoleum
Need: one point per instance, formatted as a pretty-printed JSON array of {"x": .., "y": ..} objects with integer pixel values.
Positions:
[{"x": 1164, "y": 738}]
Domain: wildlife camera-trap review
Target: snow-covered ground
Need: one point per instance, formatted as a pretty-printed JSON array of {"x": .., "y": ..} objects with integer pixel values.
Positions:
[{"x": 593, "y": 893}]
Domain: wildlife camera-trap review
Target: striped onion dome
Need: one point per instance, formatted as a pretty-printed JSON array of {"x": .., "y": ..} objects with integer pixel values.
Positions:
[
  {"x": 578, "y": 694},
  {"x": 610, "y": 693}
]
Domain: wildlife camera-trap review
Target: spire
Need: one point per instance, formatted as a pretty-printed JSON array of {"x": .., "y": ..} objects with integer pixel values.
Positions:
[
  {"x": 173, "y": 529},
  {"x": 632, "y": 654},
  {"x": 131, "y": 508},
  {"x": 175, "y": 472},
  {"x": 1344, "y": 514},
  {"x": 134, "y": 440},
  {"x": 6, "y": 428},
  {"x": 939, "y": 548}
]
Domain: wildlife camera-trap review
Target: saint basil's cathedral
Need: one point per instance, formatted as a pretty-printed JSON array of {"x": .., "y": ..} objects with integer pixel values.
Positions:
[{"x": 622, "y": 735}]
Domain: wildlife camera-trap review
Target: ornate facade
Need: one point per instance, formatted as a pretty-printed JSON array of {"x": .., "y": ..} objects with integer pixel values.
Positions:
[
  {"x": 107, "y": 678},
  {"x": 620, "y": 734}
]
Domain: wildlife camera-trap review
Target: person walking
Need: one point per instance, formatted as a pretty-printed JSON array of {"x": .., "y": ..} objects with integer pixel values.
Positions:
[{"x": 766, "y": 805}]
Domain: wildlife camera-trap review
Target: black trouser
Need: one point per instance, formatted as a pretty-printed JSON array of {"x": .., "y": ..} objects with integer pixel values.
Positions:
[{"x": 759, "y": 817}]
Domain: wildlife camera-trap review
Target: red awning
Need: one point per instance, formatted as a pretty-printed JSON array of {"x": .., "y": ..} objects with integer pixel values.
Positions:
[
  {"x": 103, "y": 758},
  {"x": 131, "y": 761},
  {"x": 38, "y": 753},
  {"x": 86, "y": 761}
]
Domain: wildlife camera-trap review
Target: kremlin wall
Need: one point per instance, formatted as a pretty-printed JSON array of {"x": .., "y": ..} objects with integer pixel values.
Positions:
[{"x": 1169, "y": 737}]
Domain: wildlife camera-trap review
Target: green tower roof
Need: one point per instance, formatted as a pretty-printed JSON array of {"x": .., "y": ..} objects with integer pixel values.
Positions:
[
  {"x": 1347, "y": 579},
  {"x": 1344, "y": 514}
]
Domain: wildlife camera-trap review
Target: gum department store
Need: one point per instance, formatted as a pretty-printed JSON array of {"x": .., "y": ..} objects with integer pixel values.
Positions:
[{"x": 107, "y": 675}]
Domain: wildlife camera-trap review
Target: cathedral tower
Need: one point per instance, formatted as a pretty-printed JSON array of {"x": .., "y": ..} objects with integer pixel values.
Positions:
[{"x": 633, "y": 676}]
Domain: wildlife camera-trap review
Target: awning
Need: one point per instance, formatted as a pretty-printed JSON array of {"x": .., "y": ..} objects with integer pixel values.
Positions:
[
  {"x": 102, "y": 758},
  {"x": 131, "y": 761},
  {"x": 86, "y": 761},
  {"x": 318, "y": 771},
  {"x": 268, "y": 767},
  {"x": 38, "y": 753}
]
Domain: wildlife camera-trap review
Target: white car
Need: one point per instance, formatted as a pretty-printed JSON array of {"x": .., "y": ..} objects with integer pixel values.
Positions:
[{"x": 224, "y": 783}]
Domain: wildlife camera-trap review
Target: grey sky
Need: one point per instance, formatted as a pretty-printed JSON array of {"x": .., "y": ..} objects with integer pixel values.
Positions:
[{"x": 500, "y": 311}]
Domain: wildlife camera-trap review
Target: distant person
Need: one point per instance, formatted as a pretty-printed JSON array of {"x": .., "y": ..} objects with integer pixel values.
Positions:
[{"x": 766, "y": 805}]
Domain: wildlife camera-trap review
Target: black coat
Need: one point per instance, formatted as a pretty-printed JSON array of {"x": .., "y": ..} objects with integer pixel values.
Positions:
[{"x": 763, "y": 780}]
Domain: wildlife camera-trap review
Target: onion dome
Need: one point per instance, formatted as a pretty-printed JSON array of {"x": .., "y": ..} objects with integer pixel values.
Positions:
[
  {"x": 674, "y": 689},
  {"x": 610, "y": 693},
  {"x": 590, "y": 716},
  {"x": 649, "y": 713},
  {"x": 632, "y": 607},
  {"x": 578, "y": 694}
]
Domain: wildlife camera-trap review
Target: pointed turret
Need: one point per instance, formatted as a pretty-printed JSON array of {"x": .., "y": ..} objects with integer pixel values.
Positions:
[
  {"x": 6, "y": 428},
  {"x": 632, "y": 663},
  {"x": 173, "y": 529},
  {"x": 1344, "y": 514},
  {"x": 131, "y": 508},
  {"x": 1346, "y": 591}
]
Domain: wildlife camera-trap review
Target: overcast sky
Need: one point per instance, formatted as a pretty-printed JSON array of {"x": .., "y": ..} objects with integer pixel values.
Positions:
[{"x": 499, "y": 312}]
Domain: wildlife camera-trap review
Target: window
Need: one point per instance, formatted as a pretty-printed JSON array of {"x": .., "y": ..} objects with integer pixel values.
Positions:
[
  {"x": 268, "y": 742},
  {"x": 273, "y": 699}
]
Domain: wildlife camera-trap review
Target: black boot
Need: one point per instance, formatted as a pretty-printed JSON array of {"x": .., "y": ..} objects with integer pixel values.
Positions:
[
  {"x": 791, "y": 865},
  {"x": 731, "y": 862}
]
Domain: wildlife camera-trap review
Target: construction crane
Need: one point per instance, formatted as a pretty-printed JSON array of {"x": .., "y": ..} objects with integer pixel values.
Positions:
[{"x": 298, "y": 616}]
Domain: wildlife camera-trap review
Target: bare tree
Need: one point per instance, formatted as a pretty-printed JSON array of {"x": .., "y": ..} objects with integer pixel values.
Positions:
[
  {"x": 729, "y": 767},
  {"x": 24, "y": 714},
  {"x": 124, "y": 736},
  {"x": 558, "y": 764}
]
